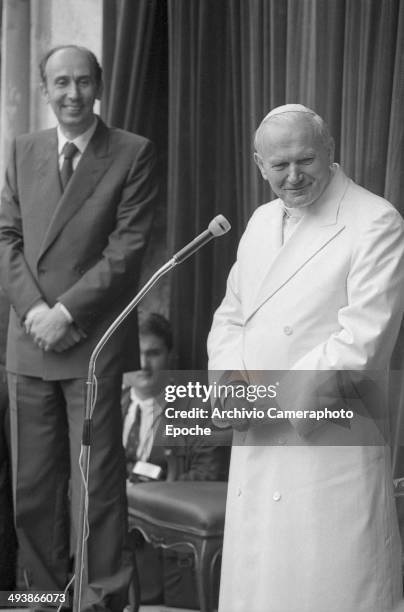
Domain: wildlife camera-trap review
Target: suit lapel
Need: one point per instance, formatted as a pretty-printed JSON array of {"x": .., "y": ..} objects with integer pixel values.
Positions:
[
  {"x": 318, "y": 227},
  {"x": 267, "y": 244},
  {"x": 269, "y": 240},
  {"x": 46, "y": 181},
  {"x": 125, "y": 401},
  {"x": 91, "y": 167}
]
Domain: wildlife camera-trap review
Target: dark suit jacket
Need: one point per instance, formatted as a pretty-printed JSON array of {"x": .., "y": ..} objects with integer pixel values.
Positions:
[{"x": 82, "y": 248}]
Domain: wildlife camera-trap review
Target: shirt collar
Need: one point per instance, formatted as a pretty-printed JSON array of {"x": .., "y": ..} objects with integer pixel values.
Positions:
[
  {"x": 80, "y": 141},
  {"x": 291, "y": 212},
  {"x": 150, "y": 403}
]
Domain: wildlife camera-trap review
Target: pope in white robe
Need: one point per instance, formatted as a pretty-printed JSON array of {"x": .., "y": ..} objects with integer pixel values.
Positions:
[{"x": 318, "y": 286}]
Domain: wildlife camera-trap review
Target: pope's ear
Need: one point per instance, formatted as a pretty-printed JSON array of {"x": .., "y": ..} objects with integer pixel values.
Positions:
[{"x": 260, "y": 164}]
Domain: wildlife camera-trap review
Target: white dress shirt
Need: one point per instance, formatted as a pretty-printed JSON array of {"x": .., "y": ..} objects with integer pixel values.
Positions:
[{"x": 81, "y": 143}]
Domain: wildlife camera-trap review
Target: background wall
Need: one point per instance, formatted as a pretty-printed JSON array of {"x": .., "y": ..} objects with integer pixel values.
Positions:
[{"x": 29, "y": 28}]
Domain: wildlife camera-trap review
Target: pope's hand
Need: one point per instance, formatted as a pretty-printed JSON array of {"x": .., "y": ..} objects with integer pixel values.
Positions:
[{"x": 241, "y": 405}]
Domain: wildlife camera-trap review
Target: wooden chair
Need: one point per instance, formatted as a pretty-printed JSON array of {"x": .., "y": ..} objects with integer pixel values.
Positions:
[{"x": 182, "y": 515}]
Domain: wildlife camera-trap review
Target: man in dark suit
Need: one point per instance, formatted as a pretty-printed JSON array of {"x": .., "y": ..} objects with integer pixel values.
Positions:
[{"x": 74, "y": 222}]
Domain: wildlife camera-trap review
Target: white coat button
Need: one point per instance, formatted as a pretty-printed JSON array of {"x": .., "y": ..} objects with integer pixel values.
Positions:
[
  {"x": 276, "y": 496},
  {"x": 287, "y": 330},
  {"x": 238, "y": 492}
]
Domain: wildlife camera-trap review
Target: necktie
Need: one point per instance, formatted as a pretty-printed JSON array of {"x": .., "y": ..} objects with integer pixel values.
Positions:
[
  {"x": 132, "y": 443},
  {"x": 69, "y": 151}
]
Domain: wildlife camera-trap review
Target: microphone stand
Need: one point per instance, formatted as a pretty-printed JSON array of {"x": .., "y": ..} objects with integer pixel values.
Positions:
[{"x": 86, "y": 440}]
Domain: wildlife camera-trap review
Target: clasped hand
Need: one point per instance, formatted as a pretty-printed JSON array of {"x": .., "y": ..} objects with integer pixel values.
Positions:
[
  {"x": 50, "y": 329},
  {"x": 241, "y": 406}
]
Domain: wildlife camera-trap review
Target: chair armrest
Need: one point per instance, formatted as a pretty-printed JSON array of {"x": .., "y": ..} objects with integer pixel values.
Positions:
[{"x": 173, "y": 468}]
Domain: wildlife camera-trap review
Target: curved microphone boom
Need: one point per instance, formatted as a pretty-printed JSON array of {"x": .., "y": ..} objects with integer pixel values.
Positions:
[{"x": 217, "y": 227}]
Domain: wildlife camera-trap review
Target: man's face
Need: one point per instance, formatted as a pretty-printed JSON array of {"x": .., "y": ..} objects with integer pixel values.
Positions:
[
  {"x": 154, "y": 363},
  {"x": 71, "y": 90},
  {"x": 295, "y": 161}
]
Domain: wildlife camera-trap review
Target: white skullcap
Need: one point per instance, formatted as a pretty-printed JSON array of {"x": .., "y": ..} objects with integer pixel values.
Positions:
[
  {"x": 292, "y": 108},
  {"x": 288, "y": 108}
]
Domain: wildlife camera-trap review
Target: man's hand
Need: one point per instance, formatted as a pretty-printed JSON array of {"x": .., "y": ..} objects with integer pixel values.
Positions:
[
  {"x": 50, "y": 328},
  {"x": 72, "y": 336},
  {"x": 35, "y": 314}
]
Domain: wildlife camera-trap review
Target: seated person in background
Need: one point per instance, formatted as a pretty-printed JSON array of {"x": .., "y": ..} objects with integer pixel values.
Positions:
[
  {"x": 144, "y": 422},
  {"x": 143, "y": 406}
]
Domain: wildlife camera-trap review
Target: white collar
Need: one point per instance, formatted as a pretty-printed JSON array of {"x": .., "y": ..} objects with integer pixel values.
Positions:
[
  {"x": 80, "y": 141},
  {"x": 294, "y": 212},
  {"x": 149, "y": 403}
]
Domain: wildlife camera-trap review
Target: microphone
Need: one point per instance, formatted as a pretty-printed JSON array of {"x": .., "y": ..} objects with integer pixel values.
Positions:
[{"x": 217, "y": 227}]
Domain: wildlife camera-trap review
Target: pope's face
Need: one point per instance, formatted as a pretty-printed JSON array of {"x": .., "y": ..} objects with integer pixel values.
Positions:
[
  {"x": 71, "y": 90},
  {"x": 295, "y": 161}
]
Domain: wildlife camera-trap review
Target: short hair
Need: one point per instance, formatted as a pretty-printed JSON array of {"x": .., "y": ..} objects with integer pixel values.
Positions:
[
  {"x": 97, "y": 70},
  {"x": 291, "y": 112},
  {"x": 157, "y": 325}
]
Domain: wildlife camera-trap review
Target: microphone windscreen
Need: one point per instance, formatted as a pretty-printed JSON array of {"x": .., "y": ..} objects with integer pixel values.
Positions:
[{"x": 219, "y": 225}]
